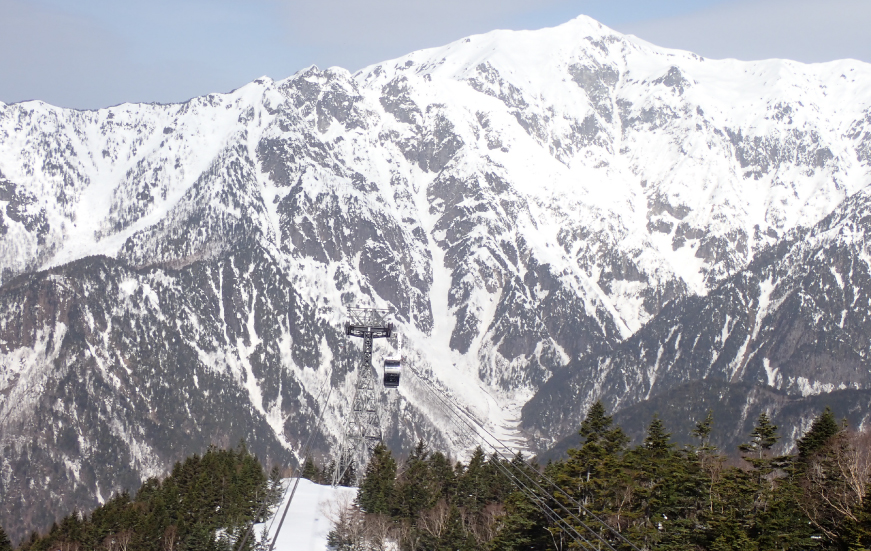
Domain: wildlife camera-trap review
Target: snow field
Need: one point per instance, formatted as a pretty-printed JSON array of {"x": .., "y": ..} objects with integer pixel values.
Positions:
[{"x": 308, "y": 521}]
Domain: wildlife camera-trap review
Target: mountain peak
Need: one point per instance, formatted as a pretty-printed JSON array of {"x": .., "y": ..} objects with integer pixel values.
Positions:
[{"x": 522, "y": 200}]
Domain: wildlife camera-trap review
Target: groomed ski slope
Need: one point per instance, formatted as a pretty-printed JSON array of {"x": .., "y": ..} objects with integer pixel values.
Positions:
[{"x": 308, "y": 520}]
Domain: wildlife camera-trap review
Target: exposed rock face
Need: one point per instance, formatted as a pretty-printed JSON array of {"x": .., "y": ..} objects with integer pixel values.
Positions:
[
  {"x": 566, "y": 214},
  {"x": 795, "y": 320},
  {"x": 735, "y": 408}
]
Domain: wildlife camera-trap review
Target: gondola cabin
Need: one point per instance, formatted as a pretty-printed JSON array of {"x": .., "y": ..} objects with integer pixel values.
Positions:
[{"x": 392, "y": 371}]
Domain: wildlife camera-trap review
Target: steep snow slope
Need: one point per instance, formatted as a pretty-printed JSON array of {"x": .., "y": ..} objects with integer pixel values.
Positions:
[
  {"x": 309, "y": 518},
  {"x": 522, "y": 200},
  {"x": 795, "y": 320}
]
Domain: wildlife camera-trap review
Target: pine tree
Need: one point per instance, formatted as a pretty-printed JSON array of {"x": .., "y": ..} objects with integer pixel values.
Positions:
[
  {"x": 455, "y": 538},
  {"x": 376, "y": 491},
  {"x": 823, "y": 428},
  {"x": 502, "y": 485},
  {"x": 310, "y": 470},
  {"x": 5, "y": 543},
  {"x": 657, "y": 442},
  {"x": 768, "y": 494},
  {"x": 727, "y": 519},
  {"x": 415, "y": 491},
  {"x": 200, "y": 538},
  {"x": 274, "y": 493},
  {"x": 349, "y": 477},
  {"x": 827, "y": 464},
  {"x": 523, "y": 527},
  {"x": 860, "y": 533},
  {"x": 782, "y": 524},
  {"x": 326, "y": 476},
  {"x": 666, "y": 489},
  {"x": 593, "y": 473},
  {"x": 71, "y": 528},
  {"x": 757, "y": 452},
  {"x": 704, "y": 428},
  {"x": 474, "y": 484},
  {"x": 710, "y": 462},
  {"x": 444, "y": 480},
  {"x": 762, "y": 439}
]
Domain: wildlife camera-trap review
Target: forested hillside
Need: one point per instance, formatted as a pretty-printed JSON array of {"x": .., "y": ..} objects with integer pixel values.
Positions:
[
  {"x": 605, "y": 495},
  {"x": 206, "y": 504},
  {"x": 655, "y": 495}
]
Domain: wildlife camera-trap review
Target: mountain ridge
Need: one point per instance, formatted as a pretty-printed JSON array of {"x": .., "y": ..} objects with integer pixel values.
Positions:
[{"x": 521, "y": 212}]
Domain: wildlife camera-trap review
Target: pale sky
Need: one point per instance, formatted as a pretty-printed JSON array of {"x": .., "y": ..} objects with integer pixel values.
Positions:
[{"x": 95, "y": 53}]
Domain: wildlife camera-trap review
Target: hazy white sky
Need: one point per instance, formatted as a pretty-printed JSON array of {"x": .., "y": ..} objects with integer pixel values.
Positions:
[{"x": 95, "y": 53}]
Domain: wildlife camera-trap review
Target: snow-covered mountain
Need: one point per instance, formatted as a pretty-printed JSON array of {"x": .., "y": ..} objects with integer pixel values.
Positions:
[
  {"x": 796, "y": 321},
  {"x": 526, "y": 203}
]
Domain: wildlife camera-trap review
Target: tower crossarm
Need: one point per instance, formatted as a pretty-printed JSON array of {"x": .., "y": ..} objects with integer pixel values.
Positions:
[{"x": 368, "y": 323}]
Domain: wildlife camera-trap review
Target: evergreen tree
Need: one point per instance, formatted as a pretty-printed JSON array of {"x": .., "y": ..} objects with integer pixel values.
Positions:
[
  {"x": 415, "y": 490},
  {"x": 503, "y": 486},
  {"x": 328, "y": 471},
  {"x": 727, "y": 520},
  {"x": 761, "y": 505},
  {"x": 710, "y": 462},
  {"x": 376, "y": 491},
  {"x": 828, "y": 465},
  {"x": 444, "y": 479},
  {"x": 657, "y": 441},
  {"x": 762, "y": 439},
  {"x": 349, "y": 477},
  {"x": 71, "y": 528},
  {"x": 593, "y": 474},
  {"x": 523, "y": 527},
  {"x": 217, "y": 493},
  {"x": 757, "y": 452},
  {"x": 666, "y": 491},
  {"x": 455, "y": 537},
  {"x": 475, "y": 483},
  {"x": 859, "y": 533},
  {"x": 200, "y": 538},
  {"x": 5, "y": 543},
  {"x": 704, "y": 428},
  {"x": 276, "y": 490},
  {"x": 823, "y": 428},
  {"x": 782, "y": 524},
  {"x": 310, "y": 470},
  {"x": 656, "y": 494}
]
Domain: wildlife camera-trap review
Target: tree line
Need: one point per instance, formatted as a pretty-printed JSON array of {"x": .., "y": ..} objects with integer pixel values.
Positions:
[
  {"x": 656, "y": 495},
  {"x": 205, "y": 504}
]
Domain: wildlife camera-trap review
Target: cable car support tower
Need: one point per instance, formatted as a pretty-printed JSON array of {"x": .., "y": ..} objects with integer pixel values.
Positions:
[{"x": 363, "y": 431}]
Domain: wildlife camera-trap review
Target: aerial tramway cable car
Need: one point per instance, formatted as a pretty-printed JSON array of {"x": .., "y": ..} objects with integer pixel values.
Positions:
[{"x": 393, "y": 367}]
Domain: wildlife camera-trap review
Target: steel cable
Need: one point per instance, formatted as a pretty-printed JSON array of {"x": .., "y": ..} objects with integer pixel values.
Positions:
[
  {"x": 473, "y": 425},
  {"x": 262, "y": 508}
]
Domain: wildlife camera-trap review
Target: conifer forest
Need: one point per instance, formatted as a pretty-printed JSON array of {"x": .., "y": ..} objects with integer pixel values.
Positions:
[
  {"x": 652, "y": 496},
  {"x": 205, "y": 504}
]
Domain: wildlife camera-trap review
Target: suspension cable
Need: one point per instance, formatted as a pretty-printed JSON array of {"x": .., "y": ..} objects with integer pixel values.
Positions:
[
  {"x": 262, "y": 508},
  {"x": 559, "y": 489},
  {"x": 566, "y": 494},
  {"x": 540, "y": 503},
  {"x": 536, "y": 500},
  {"x": 472, "y": 426},
  {"x": 307, "y": 450}
]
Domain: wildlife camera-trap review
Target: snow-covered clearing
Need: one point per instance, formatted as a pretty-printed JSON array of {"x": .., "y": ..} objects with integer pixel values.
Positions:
[{"x": 308, "y": 520}]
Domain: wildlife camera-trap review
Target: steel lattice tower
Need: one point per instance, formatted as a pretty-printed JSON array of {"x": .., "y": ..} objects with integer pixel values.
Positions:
[{"x": 363, "y": 431}]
